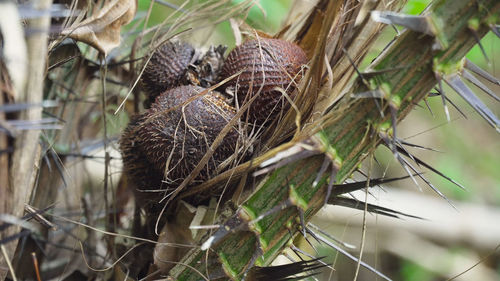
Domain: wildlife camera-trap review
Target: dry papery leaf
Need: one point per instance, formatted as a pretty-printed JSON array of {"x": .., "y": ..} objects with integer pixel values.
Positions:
[{"x": 102, "y": 29}]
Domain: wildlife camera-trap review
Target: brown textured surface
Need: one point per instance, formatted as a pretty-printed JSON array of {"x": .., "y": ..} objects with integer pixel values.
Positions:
[
  {"x": 166, "y": 68},
  {"x": 183, "y": 131},
  {"x": 266, "y": 63}
]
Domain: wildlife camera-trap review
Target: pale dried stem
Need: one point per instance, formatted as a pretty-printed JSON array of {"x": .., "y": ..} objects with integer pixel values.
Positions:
[{"x": 27, "y": 152}]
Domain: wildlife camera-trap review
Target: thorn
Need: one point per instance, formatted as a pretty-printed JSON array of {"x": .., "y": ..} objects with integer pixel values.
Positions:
[
  {"x": 382, "y": 71},
  {"x": 333, "y": 175},
  {"x": 408, "y": 164},
  {"x": 449, "y": 101},
  {"x": 8, "y": 108},
  {"x": 283, "y": 205},
  {"x": 302, "y": 222},
  {"x": 394, "y": 116},
  {"x": 258, "y": 252},
  {"x": 417, "y": 146},
  {"x": 496, "y": 29},
  {"x": 398, "y": 157},
  {"x": 297, "y": 250},
  {"x": 398, "y": 145},
  {"x": 353, "y": 64},
  {"x": 322, "y": 170},
  {"x": 456, "y": 107},
  {"x": 420, "y": 162},
  {"x": 47, "y": 162},
  {"x": 360, "y": 205},
  {"x": 281, "y": 160},
  {"x": 467, "y": 75},
  {"x": 303, "y": 269},
  {"x": 428, "y": 106},
  {"x": 478, "y": 42},
  {"x": 59, "y": 166},
  {"x": 443, "y": 97},
  {"x": 479, "y": 71},
  {"x": 466, "y": 93},
  {"x": 416, "y": 23},
  {"x": 347, "y": 254},
  {"x": 342, "y": 243},
  {"x": 233, "y": 225},
  {"x": 375, "y": 95}
]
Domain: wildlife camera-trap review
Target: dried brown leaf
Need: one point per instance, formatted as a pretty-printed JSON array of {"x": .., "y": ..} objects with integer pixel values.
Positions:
[{"x": 102, "y": 29}]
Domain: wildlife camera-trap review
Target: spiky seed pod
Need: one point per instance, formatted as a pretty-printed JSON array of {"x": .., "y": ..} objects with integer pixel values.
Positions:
[
  {"x": 266, "y": 64},
  {"x": 161, "y": 146},
  {"x": 166, "y": 68}
]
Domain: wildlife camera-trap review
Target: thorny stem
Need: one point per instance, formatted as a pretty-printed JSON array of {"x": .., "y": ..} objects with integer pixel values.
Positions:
[{"x": 347, "y": 137}]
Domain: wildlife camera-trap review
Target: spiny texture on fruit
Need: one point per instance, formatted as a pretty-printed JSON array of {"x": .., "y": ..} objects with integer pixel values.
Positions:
[
  {"x": 265, "y": 64},
  {"x": 166, "y": 68},
  {"x": 162, "y": 146}
]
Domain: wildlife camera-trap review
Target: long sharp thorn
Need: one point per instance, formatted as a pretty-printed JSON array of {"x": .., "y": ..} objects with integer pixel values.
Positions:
[
  {"x": 399, "y": 158},
  {"x": 322, "y": 170},
  {"x": 479, "y": 71},
  {"x": 8, "y": 108},
  {"x": 467, "y": 75},
  {"x": 294, "y": 248},
  {"x": 420, "y": 162},
  {"x": 376, "y": 94},
  {"x": 353, "y": 64},
  {"x": 47, "y": 162},
  {"x": 394, "y": 121},
  {"x": 301, "y": 270},
  {"x": 232, "y": 225},
  {"x": 403, "y": 163},
  {"x": 443, "y": 98},
  {"x": 257, "y": 253},
  {"x": 16, "y": 236},
  {"x": 417, "y": 146},
  {"x": 283, "y": 205},
  {"x": 353, "y": 186},
  {"x": 456, "y": 107},
  {"x": 438, "y": 93},
  {"x": 302, "y": 222},
  {"x": 459, "y": 86},
  {"x": 429, "y": 183},
  {"x": 478, "y": 42},
  {"x": 360, "y": 205},
  {"x": 382, "y": 71},
  {"x": 297, "y": 253},
  {"x": 415, "y": 23},
  {"x": 281, "y": 163},
  {"x": 399, "y": 145},
  {"x": 59, "y": 166},
  {"x": 297, "y": 250},
  {"x": 347, "y": 254},
  {"x": 333, "y": 174},
  {"x": 495, "y": 29},
  {"x": 428, "y": 107},
  {"x": 342, "y": 243}
]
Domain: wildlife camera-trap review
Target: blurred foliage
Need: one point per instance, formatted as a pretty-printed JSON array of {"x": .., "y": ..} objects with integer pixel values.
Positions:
[{"x": 413, "y": 272}]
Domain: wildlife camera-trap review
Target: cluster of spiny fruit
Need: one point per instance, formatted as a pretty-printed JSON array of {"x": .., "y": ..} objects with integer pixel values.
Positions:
[{"x": 161, "y": 146}]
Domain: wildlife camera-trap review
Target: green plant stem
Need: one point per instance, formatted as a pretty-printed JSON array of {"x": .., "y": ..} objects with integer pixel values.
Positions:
[{"x": 349, "y": 139}]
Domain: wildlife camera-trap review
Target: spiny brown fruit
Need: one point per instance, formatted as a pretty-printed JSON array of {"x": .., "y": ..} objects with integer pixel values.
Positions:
[
  {"x": 162, "y": 146},
  {"x": 265, "y": 64},
  {"x": 166, "y": 68}
]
